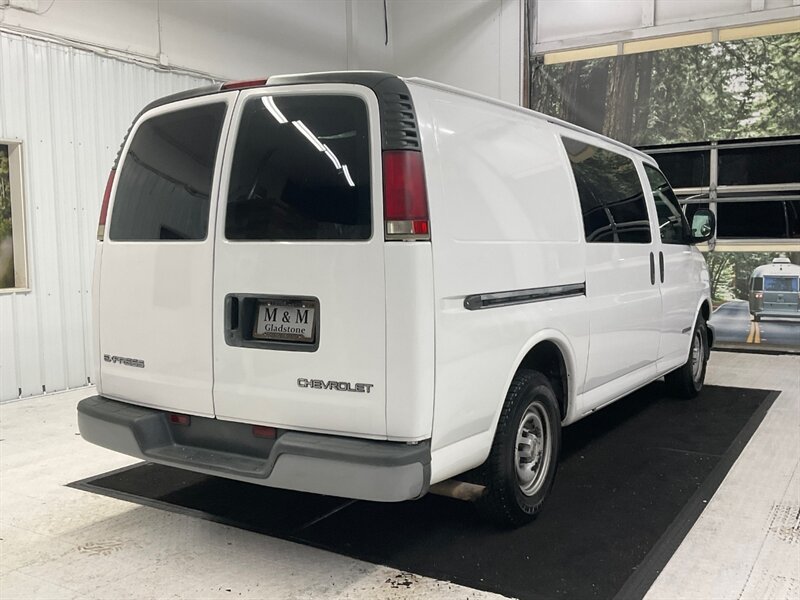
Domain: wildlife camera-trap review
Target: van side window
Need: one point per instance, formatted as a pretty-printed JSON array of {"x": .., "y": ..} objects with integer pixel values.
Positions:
[
  {"x": 301, "y": 170},
  {"x": 612, "y": 200},
  {"x": 672, "y": 223},
  {"x": 757, "y": 284},
  {"x": 164, "y": 188}
]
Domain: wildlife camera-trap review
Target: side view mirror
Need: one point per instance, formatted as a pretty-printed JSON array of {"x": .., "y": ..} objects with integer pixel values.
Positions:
[{"x": 704, "y": 225}]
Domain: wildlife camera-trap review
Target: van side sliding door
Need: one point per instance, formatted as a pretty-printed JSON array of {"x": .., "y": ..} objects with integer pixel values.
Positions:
[{"x": 622, "y": 292}]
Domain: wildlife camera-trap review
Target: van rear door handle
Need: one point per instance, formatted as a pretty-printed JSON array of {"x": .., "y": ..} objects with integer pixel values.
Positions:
[
  {"x": 661, "y": 265},
  {"x": 652, "y": 269}
]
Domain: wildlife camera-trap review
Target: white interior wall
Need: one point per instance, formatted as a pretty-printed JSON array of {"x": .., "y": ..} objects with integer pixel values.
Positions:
[
  {"x": 473, "y": 44},
  {"x": 230, "y": 39}
]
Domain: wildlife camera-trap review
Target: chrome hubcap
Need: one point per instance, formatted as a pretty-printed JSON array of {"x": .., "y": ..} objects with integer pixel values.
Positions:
[
  {"x": 532, "y": 453},
  {"x": 697, "y": 356}
]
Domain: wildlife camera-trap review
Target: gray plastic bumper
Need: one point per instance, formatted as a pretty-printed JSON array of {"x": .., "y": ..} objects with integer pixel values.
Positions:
[{"x": 307, "y": 462}]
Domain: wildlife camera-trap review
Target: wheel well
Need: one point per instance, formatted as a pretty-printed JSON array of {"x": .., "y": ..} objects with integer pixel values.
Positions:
[
  {"x": 705, "y": 310},
  {"x": 546, "y": 357}
]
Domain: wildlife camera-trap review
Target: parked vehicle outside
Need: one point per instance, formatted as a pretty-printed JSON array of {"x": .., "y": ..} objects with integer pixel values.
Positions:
[
  {"x": 775, "y": 290},
  {"x": 360, "y": 285}
]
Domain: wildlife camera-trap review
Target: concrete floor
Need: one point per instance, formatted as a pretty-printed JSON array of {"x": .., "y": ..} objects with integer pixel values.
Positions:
[{"x": 57, "y": 542}]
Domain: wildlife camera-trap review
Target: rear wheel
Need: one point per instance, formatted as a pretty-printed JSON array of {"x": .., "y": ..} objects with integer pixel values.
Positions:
[
  {"x": 522, "y": 463},
  {"x": 687, "y": 381}
]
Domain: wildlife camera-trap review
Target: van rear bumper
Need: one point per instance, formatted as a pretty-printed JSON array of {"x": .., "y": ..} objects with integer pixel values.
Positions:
[
  {"x": 307, "y": 462},
  {"x": 777, "y": 314}
]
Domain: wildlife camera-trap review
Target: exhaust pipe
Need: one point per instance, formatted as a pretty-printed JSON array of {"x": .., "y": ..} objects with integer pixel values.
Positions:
[{"x": 460, "y": 490}]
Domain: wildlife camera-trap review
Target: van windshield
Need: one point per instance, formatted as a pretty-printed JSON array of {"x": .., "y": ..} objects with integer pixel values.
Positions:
[
  {"x": 301, "y": 170},
  {"x": 780, "y": 284}
]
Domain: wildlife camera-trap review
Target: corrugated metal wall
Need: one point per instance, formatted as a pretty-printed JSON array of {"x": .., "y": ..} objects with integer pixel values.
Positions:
[{"x": 71, "y": 109}]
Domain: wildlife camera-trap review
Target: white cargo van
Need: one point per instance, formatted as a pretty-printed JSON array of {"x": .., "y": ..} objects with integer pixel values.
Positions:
[{"x": 360, "y": 285}]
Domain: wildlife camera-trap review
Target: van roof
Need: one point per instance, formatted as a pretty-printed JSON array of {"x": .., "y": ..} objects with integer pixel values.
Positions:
[
  {"x": 381, "y": 83},
  {"x": 528, "y": 111},
  {"x": 777, "y": 268}
]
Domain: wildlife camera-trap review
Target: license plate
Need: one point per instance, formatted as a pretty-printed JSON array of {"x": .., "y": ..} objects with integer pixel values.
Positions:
[{"x": 285, "y": 321}]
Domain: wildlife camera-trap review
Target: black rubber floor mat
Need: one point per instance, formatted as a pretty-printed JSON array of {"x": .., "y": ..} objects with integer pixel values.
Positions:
[{"x": 632, "y": 480}]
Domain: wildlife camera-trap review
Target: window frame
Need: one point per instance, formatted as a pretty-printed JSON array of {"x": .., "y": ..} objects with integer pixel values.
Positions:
[
  {"x": 374, "y": 167},
  {"x": 18, "y": 217},
  {"x": 322, "y": 89},
  {"x": 563, "y": 136},
  {"x": 712, "y": 196},
  {"x": 229, "y": 99},
  {"x": 686, "y": 229}
]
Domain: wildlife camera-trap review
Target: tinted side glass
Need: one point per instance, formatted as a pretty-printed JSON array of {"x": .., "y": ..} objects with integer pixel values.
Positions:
[
  {"x": 301, "y": 170},
  {"x": 765, "y": 164},
  {"x": 611, "y": 196},
  {"x": 165, "y": 185},
  {"x": 757, "y": 284},
  {"x": 672, "y": 225},
  {"x": 688, "y": 168},
  {"x": 770, "y": 219}
]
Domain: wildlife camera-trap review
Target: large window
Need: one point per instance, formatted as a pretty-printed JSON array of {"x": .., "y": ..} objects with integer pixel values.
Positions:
[
  {"x": 725, "y": 90},
  {"x": 301, "y": 170},
  {"x": 778, "y": 283},
  {"x": 612, "y": 201},
  {"x": 13, "y": 266},
  {"x": 672, "y": 225},
  {"x": 753, "y": 186},
  {"x": 164, "y": 188},
  {"x": 755, "y": 299}
]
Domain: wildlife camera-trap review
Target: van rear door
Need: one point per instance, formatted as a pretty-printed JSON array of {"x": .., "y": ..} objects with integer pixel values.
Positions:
[
  {"x": 155, "y": 271},
  {"x": 299, "y": 294}
]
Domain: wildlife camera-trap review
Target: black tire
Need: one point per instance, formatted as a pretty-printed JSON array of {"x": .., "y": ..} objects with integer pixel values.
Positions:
[
  {"x": 756, "y": 318},
  {"x": 531, "y": 407},
  {"x": 687, "y": 381}
]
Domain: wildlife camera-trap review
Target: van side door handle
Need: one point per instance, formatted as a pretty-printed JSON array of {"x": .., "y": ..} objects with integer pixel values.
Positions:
[
  {"x": 661, "y": 265},
  {"x": 652, "y": 269}
]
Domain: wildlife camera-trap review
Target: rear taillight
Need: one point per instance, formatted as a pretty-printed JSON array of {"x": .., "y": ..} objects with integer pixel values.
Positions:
[
  {"x": 101, "y": 225},
  {"x": 238, "y": 85},
  {"x": 405, "y": 196}
]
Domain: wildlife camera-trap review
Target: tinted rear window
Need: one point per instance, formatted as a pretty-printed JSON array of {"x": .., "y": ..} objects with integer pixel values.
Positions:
[
  {"x": 780, "y": 284},
  {"x": 301, "y": 170},
  {"x": 612, "y": 200},
  {"x": 165, "y": 184}
]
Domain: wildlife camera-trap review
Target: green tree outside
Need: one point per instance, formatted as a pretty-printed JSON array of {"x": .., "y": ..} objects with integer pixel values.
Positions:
[
  {"x": 6, "y": 234},
  {"x": 727, "y": 90}
]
